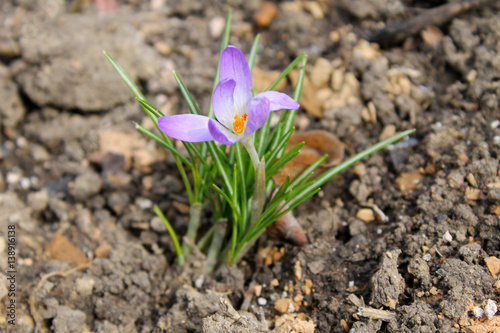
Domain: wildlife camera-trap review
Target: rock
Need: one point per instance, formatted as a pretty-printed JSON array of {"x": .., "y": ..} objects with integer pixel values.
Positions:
[
  {"x": 57, "y": 67},
  {"x": 365, "y": 214},
  {"x": 321, "y": 72},
  {"x": 12, "y": 109},
  {"x": 60, "y": 248},
  {"x": 38, "y": 201},
  {"x": 265, "y": 14},
  {"x": 408, "y": 181},
  {"x": 387, "y": 283},
  {"x": 103, "y": 250},
  {"x": 216, "y": 26},
  {"x": 118, "y": 201},
  {"x": 69, "y": 320},
  {"x": 387, "y": 132},
  {"x": 86, "y": 186},
  {"x": 294, "y": 323},
  {"x": 362, "y": 9}
]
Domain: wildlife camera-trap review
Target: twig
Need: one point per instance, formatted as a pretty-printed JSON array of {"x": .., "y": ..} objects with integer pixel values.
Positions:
[
  {"x": 32, "y": 299},
  {"x": 398, "y": 32}
]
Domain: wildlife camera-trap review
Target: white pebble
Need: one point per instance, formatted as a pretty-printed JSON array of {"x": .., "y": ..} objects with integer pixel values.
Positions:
[
  {"x": 144, "y": 203},
  {"x": 494, "y": 124},
  {"x": 216, "y": 26},
  {"x": 447, "y": 237},
  {"x": 261, "y": 301},
  {"x": 478, "y": 312},
  {"x": 25, "y": 183},
  {"x": 490, "y": 309},
  {"x": 13, "y": 177},
  {"x": 427, "y": 257},
  {"x": 350, "y": 284}
]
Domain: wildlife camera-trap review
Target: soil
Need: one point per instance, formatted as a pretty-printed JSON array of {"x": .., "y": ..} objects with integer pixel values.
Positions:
[{"x": 406, "y": 241}]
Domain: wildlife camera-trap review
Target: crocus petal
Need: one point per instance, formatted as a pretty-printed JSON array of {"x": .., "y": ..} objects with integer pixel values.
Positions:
[
  {"x": 279, "y": 100},
  {"x": 222, "y": 102},
  {"x": 234, "y": 65},
  {"x": 222, "y": 134},
  {"x": 258, "y": 111},
  {"x": 186, "y": 127}
]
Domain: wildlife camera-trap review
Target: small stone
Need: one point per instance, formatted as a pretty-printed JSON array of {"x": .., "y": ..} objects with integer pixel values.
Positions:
[
  {"x": 473, "y": 193},
  {"x": 471, "y": 76},
  {"x": 478, "y": 312},
  {"x": 298, "y": 270},
  {"x": 39, "y": 152},
  {"x": 490, "y": 309},
  {"x": 408, "y": 181},
  {"x": 118, "y": 201},
  {"x": 157, "y": 224},
  {"x": 144, "y": 203},
  {"x": 38, "y": 201},
  {"x": 463, "y": 158},
  {"x": 257, "y": 290},
  {"x": 493, "y": 264},
  {"x": 337, "y": 79},
  {"x": 320, "y": 73},
  {"x": 447, "y": 237},
  {"x": 62, "y": 249},
  {"x": 84, "y": 286},
  {"x": 163, "y": 48},
  {"x": 387, "y": 132},
  {"x": 86, "y": 186},
  {"x": 455, "y": 179},
  {"x": 365, "y": 214},
  {"x": 306, "y": 288},
  {"x": 69, "y": 320},
  {"x": 282, "y": 305},
  {"x": 103, "y": 250},
  {"x": 314, "y": 8},
  {"x": 472, "y": 180},
  {"x": 261, "y": 301},
  {"x": 216, "y": 26},
  {"x": 265, "y": 14}
]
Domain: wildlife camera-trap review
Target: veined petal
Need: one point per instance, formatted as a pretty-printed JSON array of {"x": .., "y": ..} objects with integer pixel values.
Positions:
[
  {"x": 279, "y": 100},
  {"x": 222, "y": 102},
  {"x": 222, "y": 134},
  {"x": 234, "y": 65},
  {"x": 258, "y": 111},
  {"x": 186, "y": 127}
]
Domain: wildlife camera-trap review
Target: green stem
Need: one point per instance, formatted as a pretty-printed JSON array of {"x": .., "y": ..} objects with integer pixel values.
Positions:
[
  {"x": 213, "y": 251},
  {"x": 194, "y": 223},
  {"x": 259, "y": 196}
]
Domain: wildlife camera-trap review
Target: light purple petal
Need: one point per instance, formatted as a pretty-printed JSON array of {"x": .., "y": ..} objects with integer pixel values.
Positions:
[
  {"x": 186, "y": 127},
  {"x": 279, "y": 100},
  {"x": 234, "y": 65},
  {"x": 222, "y": 134},
  {"x": 222, "y": 102},
  {"x": 258, "y": 112}
]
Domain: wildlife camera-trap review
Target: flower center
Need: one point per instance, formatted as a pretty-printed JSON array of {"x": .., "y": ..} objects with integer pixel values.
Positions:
[{"x": 239, "y": 123}]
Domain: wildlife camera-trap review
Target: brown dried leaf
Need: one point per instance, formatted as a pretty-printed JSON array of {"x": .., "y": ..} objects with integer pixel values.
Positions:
[{"x": 317, "y": 143}]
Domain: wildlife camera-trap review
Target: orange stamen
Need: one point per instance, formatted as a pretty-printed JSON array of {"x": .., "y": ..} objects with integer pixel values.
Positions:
[{"x": 239, "y": 123}]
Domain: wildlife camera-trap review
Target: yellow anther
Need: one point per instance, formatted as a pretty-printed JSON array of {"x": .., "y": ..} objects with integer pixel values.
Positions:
[{"x": 239, "y": 123}]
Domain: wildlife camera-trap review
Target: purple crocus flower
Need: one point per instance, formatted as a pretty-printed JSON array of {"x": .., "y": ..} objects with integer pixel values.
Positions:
[{"x": 238, "y": 113}]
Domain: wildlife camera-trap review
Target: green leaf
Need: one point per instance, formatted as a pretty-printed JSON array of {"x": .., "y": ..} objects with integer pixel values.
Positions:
[
  {"x": 283, "y": 160},
  {"x": 228, "y": 199},
  {"x": 253, "y": 52},
  {"x": 171, "y": 232},
  {"x": 128, "y": 81},
  {"x": 193, "y": 108},
  {"x": 148, "y": 107},
  {"x": 285, "y": 72},
  {"x": 308, "y": 171}
]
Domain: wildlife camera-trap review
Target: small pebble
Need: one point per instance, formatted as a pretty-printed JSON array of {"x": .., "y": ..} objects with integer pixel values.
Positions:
[
  {"x": 478, "y": 312},
  {"x": 494, "y": 124},
  {"x": 261, "y": 301},
  {"x": 427, "y": 257},
  {"x": 216, "y": 26},
  {"x": 144, "y": 203},
  {"x": 490, "y": 309},
  {"x": 447, "y": 237},
  {"x": 13, "y": 177},
  {"x": 25, "y": 183}
]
